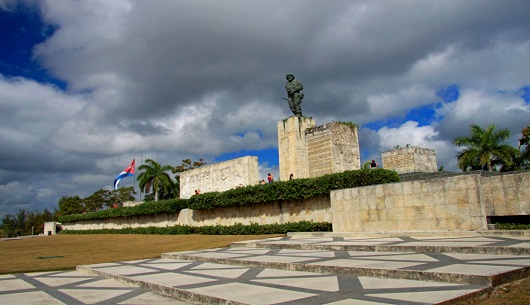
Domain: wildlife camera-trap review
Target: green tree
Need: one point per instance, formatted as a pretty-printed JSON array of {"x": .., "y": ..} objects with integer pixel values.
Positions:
[
  {"x": 122, "y": 194},
  {"x": 152, "y": 174},
  {"x": 70, "y": 205},
  {"x": 96, "y": 201},
  {"x": 525, "y": 141},
  {"x": 9, "y": 225},
  {"x": 484, "y": 148},
  {"x": 521, "y": 159}
]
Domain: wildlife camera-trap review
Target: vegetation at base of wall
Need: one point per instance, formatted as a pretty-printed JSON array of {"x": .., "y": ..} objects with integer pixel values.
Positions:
[
  {"x": 512, "y": 226},
  {"x": 146, "y": 208},
  {"x": 349, "y": 123},
  {"x": 237, "y": 229},
  {"x": 296, "y": 189}
]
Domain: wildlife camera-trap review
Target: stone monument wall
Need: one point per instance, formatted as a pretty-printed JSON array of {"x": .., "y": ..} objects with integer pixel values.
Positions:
[
  {"x": 332, "y": 148},
  {"x": 410, "y": 159},
  {"x": 506, "y": 194},
  {"x": 292, "y": 148},
  {"x": 220, "y": 176},
  {"x": 446, "y": 204},
  {"x": 319, "y": 150}
]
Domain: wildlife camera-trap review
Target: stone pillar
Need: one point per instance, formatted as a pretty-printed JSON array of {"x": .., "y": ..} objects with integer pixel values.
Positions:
[{"x": 292, "y": 148}]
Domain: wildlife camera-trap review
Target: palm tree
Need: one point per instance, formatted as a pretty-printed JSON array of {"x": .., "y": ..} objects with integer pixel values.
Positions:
[
  {"x": 153, "y": 174},
  {"x": 484, "y": 148}
]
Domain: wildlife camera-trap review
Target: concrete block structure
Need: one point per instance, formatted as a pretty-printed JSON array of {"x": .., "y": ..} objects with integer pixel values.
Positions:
[
  {"x": 292, "y": 147},
  {"x": 332, "y": 148},
  {"x": 309, "y": 151},
  {"x": 220, "y": 176},
  {"x": 410, "y": 159},
  {"x": 52, "y": 227}
]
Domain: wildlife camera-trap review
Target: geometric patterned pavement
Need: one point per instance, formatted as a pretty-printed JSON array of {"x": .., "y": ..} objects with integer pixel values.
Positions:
[
  {"x": 216, "y": 283},
  {"x": 516, "y": 245},
  {"x": 290, "y": 270},
  {"x": 74, "y": 288}
]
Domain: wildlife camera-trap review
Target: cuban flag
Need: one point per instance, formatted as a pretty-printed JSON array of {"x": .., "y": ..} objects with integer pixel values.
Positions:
[{"x": 129, "y": 171}]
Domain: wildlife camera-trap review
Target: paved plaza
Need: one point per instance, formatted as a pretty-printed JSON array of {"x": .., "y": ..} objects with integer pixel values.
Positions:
[{"x": 291, "y": 270}]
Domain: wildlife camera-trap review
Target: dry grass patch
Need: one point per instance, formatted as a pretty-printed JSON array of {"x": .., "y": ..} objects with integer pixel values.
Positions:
[
  {"x": 515, "y": 293},
  {"x": 18, "y": 256}
]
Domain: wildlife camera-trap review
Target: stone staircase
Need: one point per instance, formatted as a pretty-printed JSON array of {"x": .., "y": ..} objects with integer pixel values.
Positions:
[{"x": 332, "y": 269}]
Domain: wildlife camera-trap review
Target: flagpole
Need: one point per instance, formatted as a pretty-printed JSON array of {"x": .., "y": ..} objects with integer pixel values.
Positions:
[{"x": 134, "y": 177}]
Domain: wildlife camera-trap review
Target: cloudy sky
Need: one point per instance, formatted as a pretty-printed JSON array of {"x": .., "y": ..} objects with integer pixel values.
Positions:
[{"x": 86, "y": 86}]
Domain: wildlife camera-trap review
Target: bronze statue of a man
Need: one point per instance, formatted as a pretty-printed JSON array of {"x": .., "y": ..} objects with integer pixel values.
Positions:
[{"x": 294, "y": 94}]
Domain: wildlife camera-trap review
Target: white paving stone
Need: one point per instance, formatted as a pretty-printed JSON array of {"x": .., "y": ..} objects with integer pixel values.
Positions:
[
  {"x": 252, "y": 294},
  {"x": 172, "y": 280},
  {"x": 473, "y": 269},
  {"x": 60, "y": 281},
  {"x": 230, "y": 273},
  {"x": 428, "y": 297},
  {"x": 154, "y": 299},
  {"x": 91, "y": 296},
  {"x": 29, "y": 298},
  {"x": 14, "y": 284},
  {"x": 321, "y": 283}
]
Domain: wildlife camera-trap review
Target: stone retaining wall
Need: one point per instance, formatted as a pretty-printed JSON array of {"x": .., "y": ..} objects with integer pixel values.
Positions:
[
  {"x": 506, "y": 194},
  {"x": 313, "y": 209},
  {"x": 456, "y": 203},
  {"x": 449, "y": 204}
]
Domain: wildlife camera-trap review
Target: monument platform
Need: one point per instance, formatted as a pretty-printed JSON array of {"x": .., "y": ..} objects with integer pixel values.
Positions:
[{"x": 292, "y": 270}]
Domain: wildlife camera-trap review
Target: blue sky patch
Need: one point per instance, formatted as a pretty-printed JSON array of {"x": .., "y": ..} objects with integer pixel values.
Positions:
[
  {"x": 526, "y": 94},
  {"x": 424, "y": 115},
  {"x": 449, "y": 94},
  {"x": 268, "y": 155},
  {"x": 21, "y": 30}
]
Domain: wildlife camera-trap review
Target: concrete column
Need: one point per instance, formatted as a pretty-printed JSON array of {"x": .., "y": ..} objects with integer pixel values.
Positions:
[{"x": 292, "y": 147}]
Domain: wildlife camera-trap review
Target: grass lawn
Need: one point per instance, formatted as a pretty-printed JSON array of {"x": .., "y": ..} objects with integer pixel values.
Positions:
[
  {"x": 41, "y": 253},
  {"x": 64, "y": 252}
]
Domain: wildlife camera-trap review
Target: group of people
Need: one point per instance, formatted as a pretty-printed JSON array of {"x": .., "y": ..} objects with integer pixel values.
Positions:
[{"x": 270, "y": 178}]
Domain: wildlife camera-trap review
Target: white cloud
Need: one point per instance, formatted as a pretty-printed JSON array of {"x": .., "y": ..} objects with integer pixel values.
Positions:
[
  {"x": 425, "y": 136},
  {"x": 398, "y": 103}
]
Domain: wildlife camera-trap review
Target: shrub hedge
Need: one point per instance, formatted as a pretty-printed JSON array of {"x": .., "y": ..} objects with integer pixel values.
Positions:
[
  {"x": 291, "y": 190},
  {"x": 512, "y": 226},
  {"x": 237, "y": 229},
  {"x": 257, "y": 194},
  {"x": 146, "y": 208}
]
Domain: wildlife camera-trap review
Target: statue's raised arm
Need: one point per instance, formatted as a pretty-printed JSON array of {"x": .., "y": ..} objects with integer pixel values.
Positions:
[{"x": 294, "y": 94}]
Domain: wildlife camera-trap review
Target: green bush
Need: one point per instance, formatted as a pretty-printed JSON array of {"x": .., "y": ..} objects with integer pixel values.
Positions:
[
  {"x": 512, "y": 226},
  {"x": 146, "y": 208},
  {"x": 237, "y": 229}
]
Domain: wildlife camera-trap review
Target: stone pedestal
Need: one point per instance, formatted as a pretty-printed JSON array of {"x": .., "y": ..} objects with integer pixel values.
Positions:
[
  {"x": 410, "y": 159},
  {"x": 292, "y": 147}
]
